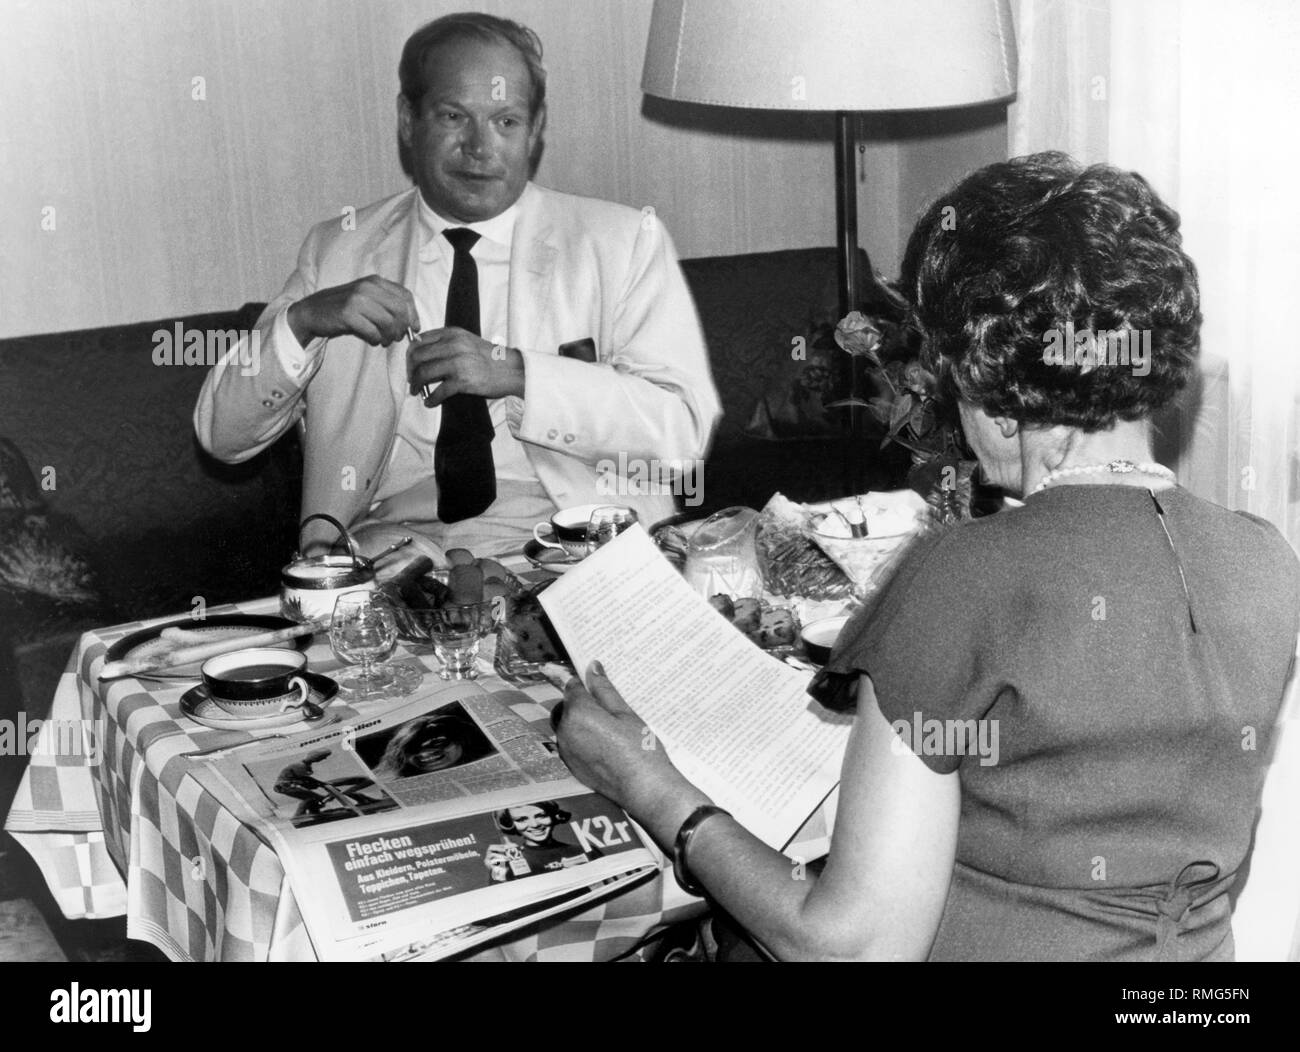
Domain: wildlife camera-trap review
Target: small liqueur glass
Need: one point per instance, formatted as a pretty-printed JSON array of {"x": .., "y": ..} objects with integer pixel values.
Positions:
[{"x": 455, "y": 632}]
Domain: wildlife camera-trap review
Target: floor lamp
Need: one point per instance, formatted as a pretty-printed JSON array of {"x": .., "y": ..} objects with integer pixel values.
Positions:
[{"x": 845, "y": 56}]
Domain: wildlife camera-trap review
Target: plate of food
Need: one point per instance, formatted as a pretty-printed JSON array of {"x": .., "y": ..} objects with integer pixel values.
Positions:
[
  {"x": 769, "y": 627},
  {"x": 467, "y": 581},
  {"x": 148, "y": 643}
]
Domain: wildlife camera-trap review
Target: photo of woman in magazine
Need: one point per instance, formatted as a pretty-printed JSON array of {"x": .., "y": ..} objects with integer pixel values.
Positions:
[
  {"x": 533, "y": 846},
  {"x": 435, "y": 742}
]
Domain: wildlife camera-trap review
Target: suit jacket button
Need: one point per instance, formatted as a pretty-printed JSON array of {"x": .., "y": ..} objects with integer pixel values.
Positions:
[
  {"x": 277, "y": 394},
  {"x": 568, "y": 438},
  {"x": 268, "y": 403},
  {"x": 552, "y": 433}
]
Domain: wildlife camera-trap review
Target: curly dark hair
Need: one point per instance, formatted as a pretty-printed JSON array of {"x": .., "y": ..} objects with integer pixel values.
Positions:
[{"x": 1023, "y": 254}]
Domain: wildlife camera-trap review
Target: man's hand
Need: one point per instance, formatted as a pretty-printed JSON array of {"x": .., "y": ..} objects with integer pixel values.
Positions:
[
  {"x": 609, "y": 748},
  {"x": 372, "y": 308},
  {"x": 464, "y": 364}
]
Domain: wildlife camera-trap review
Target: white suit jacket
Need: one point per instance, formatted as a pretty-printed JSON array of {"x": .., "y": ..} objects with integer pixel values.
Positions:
[{"x": 579, "y": 268}]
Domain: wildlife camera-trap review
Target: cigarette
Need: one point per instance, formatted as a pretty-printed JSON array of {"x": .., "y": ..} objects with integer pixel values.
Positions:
[{"x": 427, "y": 389}]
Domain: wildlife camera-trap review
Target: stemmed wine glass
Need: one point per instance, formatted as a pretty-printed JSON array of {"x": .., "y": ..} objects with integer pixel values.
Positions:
[
  {"x": 364, "y": 631},
  {"x": 606, "y": 523}
]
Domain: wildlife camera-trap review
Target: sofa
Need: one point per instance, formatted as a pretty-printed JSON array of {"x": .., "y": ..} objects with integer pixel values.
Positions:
[{"x": 99, "y": 460}]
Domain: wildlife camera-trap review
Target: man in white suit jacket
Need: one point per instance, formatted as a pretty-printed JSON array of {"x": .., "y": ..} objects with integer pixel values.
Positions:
[{"x": 334, "y": 356}]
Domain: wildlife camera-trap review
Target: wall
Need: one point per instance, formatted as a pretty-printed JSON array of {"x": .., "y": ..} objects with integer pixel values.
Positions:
[{"x": 130, "y": 190}]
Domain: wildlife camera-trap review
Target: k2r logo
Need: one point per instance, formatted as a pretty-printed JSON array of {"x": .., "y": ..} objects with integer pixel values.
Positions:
[{"x": 600, "y": 832}]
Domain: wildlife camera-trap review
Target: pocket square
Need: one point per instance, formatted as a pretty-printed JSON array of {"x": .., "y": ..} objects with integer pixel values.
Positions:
[{"x": 583, "y": 350}]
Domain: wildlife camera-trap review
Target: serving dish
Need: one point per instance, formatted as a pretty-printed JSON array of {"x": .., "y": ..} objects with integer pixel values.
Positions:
[{"x": 148, "y": 642}]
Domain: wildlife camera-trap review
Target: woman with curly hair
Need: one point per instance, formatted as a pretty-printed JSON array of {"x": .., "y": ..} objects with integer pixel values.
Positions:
[{"x": 1126, "y": 643}]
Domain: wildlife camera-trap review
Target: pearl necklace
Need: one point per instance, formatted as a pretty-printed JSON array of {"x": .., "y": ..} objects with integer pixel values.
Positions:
[{"x": 1118, "y": 467}]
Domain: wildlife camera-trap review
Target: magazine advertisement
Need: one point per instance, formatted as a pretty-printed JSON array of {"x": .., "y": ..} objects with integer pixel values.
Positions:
[{"x": 430, "y": 828}]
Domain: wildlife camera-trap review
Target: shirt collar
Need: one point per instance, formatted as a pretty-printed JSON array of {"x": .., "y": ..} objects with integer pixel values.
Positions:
[{"x": 499, "y": 229}]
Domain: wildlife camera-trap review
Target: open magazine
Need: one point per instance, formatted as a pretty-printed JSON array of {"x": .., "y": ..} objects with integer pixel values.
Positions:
[{"x": 430, "y": 828}]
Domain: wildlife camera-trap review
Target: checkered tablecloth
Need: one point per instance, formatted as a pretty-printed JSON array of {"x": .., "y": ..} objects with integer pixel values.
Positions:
[{"x": 119, "y": 826}]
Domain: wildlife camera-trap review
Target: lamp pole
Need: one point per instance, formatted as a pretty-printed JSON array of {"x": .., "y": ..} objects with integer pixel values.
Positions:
[
  {"x": 846, "y": 208},
  {"x": 846, "y": 218}
]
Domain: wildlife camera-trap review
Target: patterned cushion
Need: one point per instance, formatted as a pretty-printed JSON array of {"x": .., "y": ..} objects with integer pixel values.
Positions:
[
  {"x": 112, "y": 430},
  {"x": 41, "y": 560},
  {"x": 752, "y": 307}
]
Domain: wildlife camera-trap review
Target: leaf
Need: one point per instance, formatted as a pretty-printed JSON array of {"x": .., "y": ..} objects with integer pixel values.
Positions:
[
  {"x": 929, "y": 420},
  {"x": 920, "y": 448},
  {"x": 902, "y": 409},
  {"x": 882, "y": 409}
]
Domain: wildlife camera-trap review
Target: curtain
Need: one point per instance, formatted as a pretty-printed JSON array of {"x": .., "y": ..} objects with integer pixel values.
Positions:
[{"x": 1201, "y": 98}]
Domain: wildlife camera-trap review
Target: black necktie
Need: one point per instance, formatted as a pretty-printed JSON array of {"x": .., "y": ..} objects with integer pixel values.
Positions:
[{"x": 462, "y": 455}]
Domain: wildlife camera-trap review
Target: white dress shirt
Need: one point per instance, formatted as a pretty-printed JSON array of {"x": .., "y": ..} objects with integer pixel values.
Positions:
[{"x": 411, "y": 461}]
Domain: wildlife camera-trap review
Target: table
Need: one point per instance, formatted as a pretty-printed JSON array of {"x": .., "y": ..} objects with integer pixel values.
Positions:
[{"x": 119, "y": 826}]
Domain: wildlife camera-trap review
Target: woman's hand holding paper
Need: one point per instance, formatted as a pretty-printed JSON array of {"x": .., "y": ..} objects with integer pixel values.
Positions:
[{"x": 609, "y": 747}]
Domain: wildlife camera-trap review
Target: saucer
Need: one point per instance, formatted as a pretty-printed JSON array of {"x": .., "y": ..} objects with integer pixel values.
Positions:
[
  {"x": 199, "y": 706},
  {"x": 545, "y": 558}
]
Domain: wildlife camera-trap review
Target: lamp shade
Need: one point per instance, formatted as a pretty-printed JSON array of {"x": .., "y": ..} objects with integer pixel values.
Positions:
[{"x": 831, "y": 54}]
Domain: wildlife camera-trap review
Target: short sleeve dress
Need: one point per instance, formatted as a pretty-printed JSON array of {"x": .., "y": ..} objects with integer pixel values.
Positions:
[{"x": 1103, "y": 669}]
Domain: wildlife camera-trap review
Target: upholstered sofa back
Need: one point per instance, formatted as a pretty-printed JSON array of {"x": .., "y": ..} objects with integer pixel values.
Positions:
[{"x": 107, "y": 430}]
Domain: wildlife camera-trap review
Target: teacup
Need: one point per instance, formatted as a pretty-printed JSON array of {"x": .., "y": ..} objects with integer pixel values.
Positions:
[
  {"x": 567, "y": 530},
  {"x": 252, "y": 684}
]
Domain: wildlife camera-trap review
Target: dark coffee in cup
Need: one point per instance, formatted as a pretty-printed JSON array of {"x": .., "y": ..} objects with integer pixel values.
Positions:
[
  {"x": 258, "y": 682},
  {"x": 566, "y": 530},
  {"x": 252, "y": 674}
]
